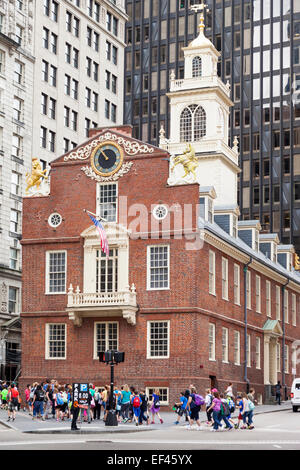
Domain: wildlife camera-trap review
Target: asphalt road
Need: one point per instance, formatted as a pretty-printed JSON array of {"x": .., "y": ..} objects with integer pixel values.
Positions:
[{"x": 273, "y": 431}]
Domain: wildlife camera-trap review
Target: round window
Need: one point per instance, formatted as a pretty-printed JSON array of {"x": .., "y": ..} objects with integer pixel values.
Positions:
[
  {"x": 55, "y": 220},
  {"x": 160, "y": 212}
]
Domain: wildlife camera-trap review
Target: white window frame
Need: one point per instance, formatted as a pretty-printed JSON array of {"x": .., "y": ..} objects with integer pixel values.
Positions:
[
  {"x": 286, "y": 306},
  {"x": 225, "y": 345},
  {"x": 278, "y": 300},
  {"x": 162, "y": 402},
  {"x": 99, "y": 204},
  {"x": 47, "y": 277},
  {"x": 248, "y": 285},
  {"x": 248, "y": 350},
  {"x": 47, "y": 349},
  {"x": 212, "y": 273},
  {"x": 149, "y": 268},
  {"x": 237, "y": 348},
  {"x": 224, "y": 278},
  {"x": 294, "y": 310},
  {"x": 237, "y": 289},
  {"x": 278, "y": 357},
  {"x": 258, "y": 293},
  {"x": 212, "y": 341},
  {"x": 258, "y": 352},
  {"x": 268, "y": 299},
  {"x": 106, "y": 323},
  {"x": 148, "y": 339},
  {"x": 286, "y": 359}
]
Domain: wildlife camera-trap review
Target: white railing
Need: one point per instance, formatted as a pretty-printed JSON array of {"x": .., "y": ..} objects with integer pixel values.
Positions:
[
  {"x": 198, "y": 82},
  {"x": 101, "y": 299}
]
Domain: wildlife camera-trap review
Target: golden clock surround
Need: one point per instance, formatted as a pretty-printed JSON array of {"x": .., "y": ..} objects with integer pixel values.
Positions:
[{"x": 103, "y": 144}]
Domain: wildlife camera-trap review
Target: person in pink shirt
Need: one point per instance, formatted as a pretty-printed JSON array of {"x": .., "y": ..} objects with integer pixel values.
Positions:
[{"x": 27, "y": 398}]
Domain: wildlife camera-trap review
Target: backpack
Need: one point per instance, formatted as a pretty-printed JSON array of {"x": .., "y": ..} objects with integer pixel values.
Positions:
[
  {"x": 59, "y": 399},
  {"x": 31, "y": 395},
  {"x": 231, "y": 406},
  {"x": 97, "y": 396},
  {"x": 199, "y": 400},
  {"x": 40, "y": 395},
  {"x": 136, "y": 402},
  {"x": 65, "y": 397},
  {"x": 225, "y": 411},
  {"x": 251, "y": 405}
]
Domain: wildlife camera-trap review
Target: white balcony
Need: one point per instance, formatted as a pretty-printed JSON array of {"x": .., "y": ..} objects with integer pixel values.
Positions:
[
  {"x": 97, "y": 304},
  {"x": 199, "y": 82}
]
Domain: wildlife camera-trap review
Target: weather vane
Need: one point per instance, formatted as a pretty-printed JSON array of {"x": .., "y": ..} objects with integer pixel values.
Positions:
[{"x": 200, "y": 7}]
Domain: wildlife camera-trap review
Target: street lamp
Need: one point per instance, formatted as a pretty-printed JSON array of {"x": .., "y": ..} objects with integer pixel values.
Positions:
[{"x": 111, "y": 357}]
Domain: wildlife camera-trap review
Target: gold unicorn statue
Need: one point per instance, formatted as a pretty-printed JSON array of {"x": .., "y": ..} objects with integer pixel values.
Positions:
[
  {"x": 188, "y": 160},
  {"x": 35, "y": 178}
]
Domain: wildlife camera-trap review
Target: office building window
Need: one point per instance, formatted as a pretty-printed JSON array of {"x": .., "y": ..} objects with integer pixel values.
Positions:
[{"x": 13, "y": 299}]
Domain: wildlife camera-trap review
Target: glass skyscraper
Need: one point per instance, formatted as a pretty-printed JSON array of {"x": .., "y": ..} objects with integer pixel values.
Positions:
[{"x": 259, "y": 41}]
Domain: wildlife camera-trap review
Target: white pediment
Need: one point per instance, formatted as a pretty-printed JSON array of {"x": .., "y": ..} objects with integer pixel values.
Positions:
[{"x": 116, "y": 234}]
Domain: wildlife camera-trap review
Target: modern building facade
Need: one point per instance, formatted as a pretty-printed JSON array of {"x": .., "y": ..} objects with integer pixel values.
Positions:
[
  {"x": 78, "y": 76},
  {"x": 259, "y": 43},
  {"x": 16, "y": 97},
  {"x": 190, "y": 294},
  {"x": 61, "y": 73}
]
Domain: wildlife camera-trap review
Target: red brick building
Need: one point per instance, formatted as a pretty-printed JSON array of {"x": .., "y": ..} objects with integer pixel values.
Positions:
[{"x": 188, "y": 292}]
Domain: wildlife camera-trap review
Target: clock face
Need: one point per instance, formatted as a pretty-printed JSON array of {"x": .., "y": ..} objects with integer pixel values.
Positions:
[{"x": 107, "y": 158}]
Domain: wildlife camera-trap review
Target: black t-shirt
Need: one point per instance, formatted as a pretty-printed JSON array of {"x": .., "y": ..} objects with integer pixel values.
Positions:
[{"x": 40, "y": 395}]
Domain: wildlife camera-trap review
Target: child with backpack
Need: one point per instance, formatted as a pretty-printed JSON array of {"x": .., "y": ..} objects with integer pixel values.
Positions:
[
  {"x": 239, "y": 403},
  {"x": 182, "y": 407},
  {"x": 155, "y": 406},
  {"x": 4, "y": 394},
  {"x": 244, "y": 410},
  {"x": 195, "y": 402},
  {"x": 225, "y": 412},
  {"x": 208, "y": 402},
  {"x": 136, "y": 406}
]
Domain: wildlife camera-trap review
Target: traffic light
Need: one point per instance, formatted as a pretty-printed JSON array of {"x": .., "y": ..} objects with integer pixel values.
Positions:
[
  {"x": 102, "y": 356},
  {"x": 119, "y": 357},
  {"x": 297, "y": 262}
]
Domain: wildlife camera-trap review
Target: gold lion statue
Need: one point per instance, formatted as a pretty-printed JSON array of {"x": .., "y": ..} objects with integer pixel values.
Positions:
[
  {"x": 188, "y": 160},
  {"x": 36, "y": 176}
]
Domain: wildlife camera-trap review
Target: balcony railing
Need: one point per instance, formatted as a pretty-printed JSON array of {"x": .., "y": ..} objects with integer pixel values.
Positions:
[{"x": 85, "y": 304}]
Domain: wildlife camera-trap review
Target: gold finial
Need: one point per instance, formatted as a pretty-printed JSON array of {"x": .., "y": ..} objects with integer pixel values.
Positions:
[
  {"x": 200, "y": 7},
  {"x": 296, "y": 262}
]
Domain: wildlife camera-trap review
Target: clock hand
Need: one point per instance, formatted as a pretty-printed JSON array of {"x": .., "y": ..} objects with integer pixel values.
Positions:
[{"x": 105, "y": 156}]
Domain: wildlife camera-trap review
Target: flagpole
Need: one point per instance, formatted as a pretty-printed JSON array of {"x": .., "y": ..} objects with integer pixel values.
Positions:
[{"x": 98, "y": 216}]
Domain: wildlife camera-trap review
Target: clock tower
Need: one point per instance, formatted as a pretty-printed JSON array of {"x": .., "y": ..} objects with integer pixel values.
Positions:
[{"x": 199, "y": 109}]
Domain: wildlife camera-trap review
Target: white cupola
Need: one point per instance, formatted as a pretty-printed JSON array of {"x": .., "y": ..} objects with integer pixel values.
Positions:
[{"x": 199, "y": 112}]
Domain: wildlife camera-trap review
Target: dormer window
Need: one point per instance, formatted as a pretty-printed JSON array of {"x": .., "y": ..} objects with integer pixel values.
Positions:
[
  {"x": 192, "y": 123},
  {"x": 197, "y": 67}
]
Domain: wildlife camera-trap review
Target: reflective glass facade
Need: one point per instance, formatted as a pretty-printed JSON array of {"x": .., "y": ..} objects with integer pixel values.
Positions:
[{"x": 259, "y": 41}]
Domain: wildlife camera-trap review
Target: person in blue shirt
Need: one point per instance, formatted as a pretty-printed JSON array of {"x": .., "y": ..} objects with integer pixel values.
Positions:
[{"x": 183, "y": 410}]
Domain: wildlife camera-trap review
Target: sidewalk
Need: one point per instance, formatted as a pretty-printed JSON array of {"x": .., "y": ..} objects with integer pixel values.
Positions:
[{"x": 25, "y": 424}]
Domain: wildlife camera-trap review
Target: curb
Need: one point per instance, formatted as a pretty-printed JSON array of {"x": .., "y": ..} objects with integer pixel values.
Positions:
[{"x": 85, "y": 431}]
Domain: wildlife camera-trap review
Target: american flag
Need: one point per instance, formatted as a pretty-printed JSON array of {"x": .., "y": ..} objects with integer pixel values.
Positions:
[{"x": 103, "y": 239}]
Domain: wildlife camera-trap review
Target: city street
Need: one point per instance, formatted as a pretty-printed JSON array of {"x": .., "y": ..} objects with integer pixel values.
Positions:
[{"x": 273, "y": 431}]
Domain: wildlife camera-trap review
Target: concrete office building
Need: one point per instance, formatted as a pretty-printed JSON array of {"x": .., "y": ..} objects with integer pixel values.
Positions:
[
  {"x": 61, "y": 73},
  {"x": 259, "y": 43}
]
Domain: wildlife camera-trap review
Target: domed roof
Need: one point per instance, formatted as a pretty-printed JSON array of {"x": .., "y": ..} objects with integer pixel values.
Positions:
[{"x": 201, "y": 41}]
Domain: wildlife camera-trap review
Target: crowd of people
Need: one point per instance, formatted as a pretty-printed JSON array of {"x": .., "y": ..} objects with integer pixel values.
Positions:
[{"x": 50, "y": 399}]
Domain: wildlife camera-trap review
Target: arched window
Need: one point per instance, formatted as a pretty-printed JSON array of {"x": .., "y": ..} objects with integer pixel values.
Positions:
[
  {"x": 197, "y": 67},
  {"x": 192, "y": 123},
  {"x": 186, "y": 125},
  {"x": 199, "y": 123}
]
